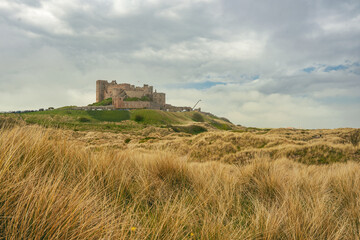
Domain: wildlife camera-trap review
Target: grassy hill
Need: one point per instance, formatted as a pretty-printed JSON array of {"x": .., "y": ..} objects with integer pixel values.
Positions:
[
  {"x": 120, "y": 120},
  {"x": 142, "y": 174}
]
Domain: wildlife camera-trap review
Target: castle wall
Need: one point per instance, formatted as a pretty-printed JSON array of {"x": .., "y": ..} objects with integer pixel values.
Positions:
[
  {"x": 124, "y": 86},
  {"x": 119, "y": 103},
  {"x": 87, "y": 108},
  {"x": 114, "y": 90},
  {"x": 136, "y": 104},
  {"x": 137, "y": 94},
  {"x": 148, "y": 90},
  {"x": 154, "y": 105},
  {"x": 107, "y": 94},
  {"x": 159, "y": 98}
]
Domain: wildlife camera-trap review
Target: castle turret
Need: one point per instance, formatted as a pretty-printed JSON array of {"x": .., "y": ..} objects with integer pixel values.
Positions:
[{"x": 100, "y": 89}]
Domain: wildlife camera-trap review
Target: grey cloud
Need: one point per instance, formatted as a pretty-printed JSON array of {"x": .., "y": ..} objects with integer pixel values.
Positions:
[
  {"x": 165, "y": 43},
  {"x": 31, "y": 3}
]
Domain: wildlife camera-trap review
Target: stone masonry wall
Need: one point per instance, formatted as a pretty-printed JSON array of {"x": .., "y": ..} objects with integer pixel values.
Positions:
[{"x": 120, "y": 103}]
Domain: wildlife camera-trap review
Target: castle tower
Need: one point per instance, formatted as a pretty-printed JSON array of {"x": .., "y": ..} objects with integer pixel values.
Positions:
[
  {"x": 159, "y": 98},
  {"x": 100, "y": 90}
]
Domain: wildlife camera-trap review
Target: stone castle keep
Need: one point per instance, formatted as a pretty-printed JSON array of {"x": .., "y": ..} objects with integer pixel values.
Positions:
[{"x": 126, "y": 96}]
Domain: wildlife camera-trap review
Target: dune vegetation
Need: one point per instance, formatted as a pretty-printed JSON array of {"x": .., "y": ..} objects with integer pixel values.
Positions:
[{"x": 152, "y": 182}]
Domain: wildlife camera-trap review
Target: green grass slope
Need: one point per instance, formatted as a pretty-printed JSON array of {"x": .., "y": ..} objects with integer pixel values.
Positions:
[{"x": 66, "y": 117}]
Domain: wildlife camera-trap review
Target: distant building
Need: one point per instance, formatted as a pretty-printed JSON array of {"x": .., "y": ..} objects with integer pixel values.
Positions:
[
  {"x": 145, "y": 96},
  {"x": 126, "y": 96}
]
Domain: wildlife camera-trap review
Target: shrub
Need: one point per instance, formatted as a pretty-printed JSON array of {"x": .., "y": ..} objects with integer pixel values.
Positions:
[
  {"x": 127, "y": 140},
  {"x": 84, "y": 119},
  {"x": 139, "y": 118},
  {"x": 132, "y": 99},
  {"x": 192, "y": 129},
  {"x": 197, "y": 117},
  {"x": 146, "y": 139},
  {"x": 104, "y": 102},
  {"x": 143, "y": 98},
  {"x": 354, "y": 137}
]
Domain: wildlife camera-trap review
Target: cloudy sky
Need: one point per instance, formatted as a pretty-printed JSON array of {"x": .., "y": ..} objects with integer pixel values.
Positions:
[{"x": 260, "y": 63}]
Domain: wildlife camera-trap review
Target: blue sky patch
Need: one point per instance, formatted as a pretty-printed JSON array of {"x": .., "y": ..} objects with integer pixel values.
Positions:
[
  {"x": 335, "y": 68},
  {"x": 255, "y": 77},
  {"x": 309, "y": 69}
]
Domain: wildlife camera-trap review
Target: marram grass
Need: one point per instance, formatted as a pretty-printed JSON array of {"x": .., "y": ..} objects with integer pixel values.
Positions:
[{"x": 54, "y": 188}]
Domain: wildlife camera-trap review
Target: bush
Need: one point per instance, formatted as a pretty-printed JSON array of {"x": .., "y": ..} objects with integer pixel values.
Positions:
[
  {"x": 127, "y": 140},
  {"x": 143, "y": 98},
  {"x": 84, "y": 119},
  {"x": 192, "y": 129},
  {"x": 130, "y": 99},
  {"x": 146, "y": 139},
  {"x": 354, "y": 137},
  {"x": 139, "y": 118},
  {"x": 104, "y": 102},
  {"x": 197, "y": 117}
]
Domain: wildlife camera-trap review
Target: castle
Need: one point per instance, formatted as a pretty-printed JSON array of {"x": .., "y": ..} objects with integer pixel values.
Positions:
[{"x": 126, "y": 96}]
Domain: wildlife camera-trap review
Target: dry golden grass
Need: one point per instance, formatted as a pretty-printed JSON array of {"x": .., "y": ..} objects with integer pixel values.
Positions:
[
  {"x": 305, "y": 146},
  {"x": 57, "y": 184}
]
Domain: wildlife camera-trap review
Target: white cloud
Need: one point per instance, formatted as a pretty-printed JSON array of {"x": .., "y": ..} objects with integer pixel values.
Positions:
[
  {"x": 47, "y": 17},
  {"x": 122, "y": 7},
  {"x": 125, "y": 7},
  {"x": 80, "y": 97},
  {"x": 335, "y": 24},
  {"x": 252, "y": 108},
  {"x": 174, "y": 10},
  {"x": 204, "y": 49}
]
